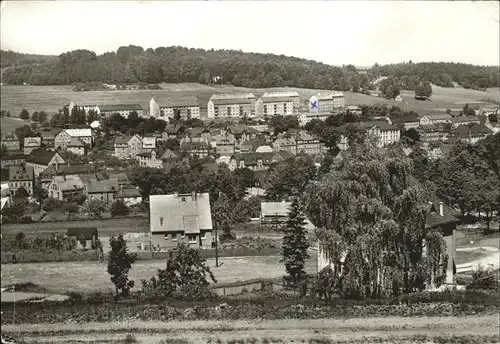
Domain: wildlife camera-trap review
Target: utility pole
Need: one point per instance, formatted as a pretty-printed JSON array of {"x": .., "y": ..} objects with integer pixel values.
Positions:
[{"x": 216, "y": 245}]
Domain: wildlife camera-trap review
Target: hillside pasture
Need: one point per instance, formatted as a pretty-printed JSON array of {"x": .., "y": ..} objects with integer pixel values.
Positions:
[{"x": 52, "y": 98}]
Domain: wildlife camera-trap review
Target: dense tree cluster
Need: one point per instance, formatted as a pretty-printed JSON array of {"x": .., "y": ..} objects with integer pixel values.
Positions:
[
  {"x": 178, "y": 64},
  {"x": 371, "y": 221},
  {"x": 467, "y": 177},
  {"x": 411, "y": 75},
  {"x": 10, "y": 58}
]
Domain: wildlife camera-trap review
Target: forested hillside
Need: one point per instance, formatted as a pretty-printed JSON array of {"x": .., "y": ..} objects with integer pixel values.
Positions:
[
  {"x": 178, "y": 64},
  {"x": 442, "y": 74},
  {"x": 11, "y": 58}
]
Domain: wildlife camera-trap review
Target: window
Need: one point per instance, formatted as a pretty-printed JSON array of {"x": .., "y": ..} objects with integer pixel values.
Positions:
[
  {"x": 192, "y": 238},
  {"x": 161, "y": 221},
  {"x": 265, "y": 109},
  {"x": 174, "y": 236},
  {"x": 167, "y": 236},
  {"x": 229, "y": 111},
  {"x": 241, "y": 110},
  {"x": 183, "y": 235},
  {"x": 203, "y": 235},
  {"x": 275, "y": 108}
]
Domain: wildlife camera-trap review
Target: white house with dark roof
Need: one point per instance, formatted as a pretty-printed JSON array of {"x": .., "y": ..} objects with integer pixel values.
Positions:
[
  {"x": 65, "y": 187},
  {"x": 231, "y": 105},
  {"x": 10, "y": 141},
  {"x": 326, "y": 101},
  {"x": 180, "y": 218},
  {"x": 184, "y": 108},
  {"x": 62, "y": 139},
  {"x": 384, "y": 132},
  {"x": 276, "y": 103}
]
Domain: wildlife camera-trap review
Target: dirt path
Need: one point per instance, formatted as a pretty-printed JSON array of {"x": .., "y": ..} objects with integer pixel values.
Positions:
[{"x": 362, "y": 329}]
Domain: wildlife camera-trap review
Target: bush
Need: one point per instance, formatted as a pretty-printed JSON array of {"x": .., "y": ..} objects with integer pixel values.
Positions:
[
  {"x": 119, "y": 208},
  {"x": 484, "y": 279},
  {"x": 51, "y": 204}
]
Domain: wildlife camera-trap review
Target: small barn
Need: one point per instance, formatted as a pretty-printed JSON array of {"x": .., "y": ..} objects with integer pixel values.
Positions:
[{"x": 84, "y": 236}]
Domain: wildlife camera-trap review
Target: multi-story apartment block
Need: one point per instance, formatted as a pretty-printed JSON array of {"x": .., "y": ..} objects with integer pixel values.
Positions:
[
  {"x": 127, "y": 147},
  {"x": 276, "y": 103},
  {"x": 123, "y": 109},
  {"x": 10, "y": 141},
  {"x": 182, "y": 108},
  {"x": 326, "y": 101},
  {"x": 470, "y": 133},
  {"x": 231, "y": 105},
  {"x": 65, "y": 136},
  {"x": 257, "y": 161},
  {"x": 31, "y": 143}
]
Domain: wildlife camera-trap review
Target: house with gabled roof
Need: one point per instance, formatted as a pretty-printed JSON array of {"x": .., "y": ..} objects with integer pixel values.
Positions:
[
  {"x": 10, "y": 141},
  {"x": 31, "y": 143},
  {"x": 195, "y": 146},
  {"x": 256, "y": 161},
  {"x": 21, "y": 176},
  {"x": 470, "y": 133},
  {"x": 464, "y": 120},
  {"x": 328, "y": 101},
  {"x": 76, "y": 146},
  {"x": 435, "y": 118},
  {"x": 172, "y": 131},
  {"x": 308, "y": 144},
  {"x": 129, "y": 195},
  {"x": 126, "y": 147},
  {"x": 180, "y": 218},
  {"x": 406, "y": 121},
  {"x": 231, "y": 105},
  {"x": 274, "y": 215},
  {"x": 85, "y": 236},
  {"x": 384, "y": 132},
  {"x": 86, "y": 135},
  {"x": 103, "y": 190},
  {"x": 151, "y": 158},
  {"x": 40, "y": 159},
  {"x": 148, "y": 143},
  {"x": 65, "y": 187},
  {"x": 286, "y": 143},
  {"x": 12, "y": 159}
]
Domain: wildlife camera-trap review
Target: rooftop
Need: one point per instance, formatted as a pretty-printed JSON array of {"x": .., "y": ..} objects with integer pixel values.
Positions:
[
  {"x": 68, "y": 182},
  {"x": 175, "y": 213},
  {"x": 328, "y": 95},
  {"x": 76, "y": 142},
  {"x": 40, "y": 156},
  {"x": 120, "y": 107},
  {"x": 232, "y": 96},
  {"x": 79, "y": 132},
  {"x": 275, "y": 208}
]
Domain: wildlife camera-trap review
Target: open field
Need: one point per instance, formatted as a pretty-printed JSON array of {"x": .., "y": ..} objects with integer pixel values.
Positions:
[
  {"x": 89, "y": 277},
  {"x": 9, "y": 124},
  {"x": 448, "y": 329},
  {"x": 52, "y": 98}
]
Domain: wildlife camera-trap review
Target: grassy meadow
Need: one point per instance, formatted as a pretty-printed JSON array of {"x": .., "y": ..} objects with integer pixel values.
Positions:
[
  {"x": 52, "y": 98},
  {"x": 89, "y": 277}
]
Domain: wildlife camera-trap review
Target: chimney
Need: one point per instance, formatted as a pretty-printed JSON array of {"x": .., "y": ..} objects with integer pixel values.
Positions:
[{"x": 441, "y": 213}]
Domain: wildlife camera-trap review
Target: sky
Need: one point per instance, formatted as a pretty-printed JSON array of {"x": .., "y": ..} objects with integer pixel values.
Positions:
[{"x": 333, "y": 32}]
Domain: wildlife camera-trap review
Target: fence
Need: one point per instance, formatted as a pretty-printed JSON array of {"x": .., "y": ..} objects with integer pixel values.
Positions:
[{"x": 241, "y": 287}]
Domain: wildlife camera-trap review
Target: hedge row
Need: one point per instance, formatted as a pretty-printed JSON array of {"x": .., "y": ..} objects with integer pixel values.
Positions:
[
  {"x": 264, "y": 307},
  {"x": 91, "y": 255}
]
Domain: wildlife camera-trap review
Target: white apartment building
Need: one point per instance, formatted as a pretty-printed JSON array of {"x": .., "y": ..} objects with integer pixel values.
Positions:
[
  {"x": 327, "y": 101},
  {"x": 276, "y": 103},
  {"x": 231, "y": 105},
  {"x": 184, "y": 108}
]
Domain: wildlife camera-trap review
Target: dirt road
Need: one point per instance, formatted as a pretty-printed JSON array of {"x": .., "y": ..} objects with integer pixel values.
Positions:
[{"x": 366, "y": 330}]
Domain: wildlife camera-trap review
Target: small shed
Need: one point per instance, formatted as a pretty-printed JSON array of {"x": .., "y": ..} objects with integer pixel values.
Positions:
[{"x": 85, "y": 236}]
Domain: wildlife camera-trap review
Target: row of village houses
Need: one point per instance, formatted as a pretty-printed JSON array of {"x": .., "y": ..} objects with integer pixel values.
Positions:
[{"x": 234, "y": 105}]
